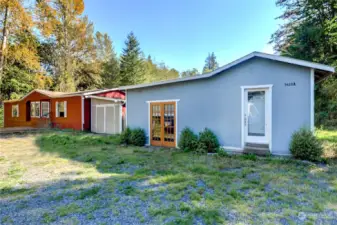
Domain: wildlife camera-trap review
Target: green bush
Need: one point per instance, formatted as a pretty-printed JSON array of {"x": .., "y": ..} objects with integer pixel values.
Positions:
[
  {"x": 304, "y": 145},
  {"x": 201, "y": 148},
  {"x": 208, "y": 140},
  {"x": 138, "y": 137},
  {"x": 222, "y": 152},
  {"x": 126, "y": 136},
  {"x": 188, "y": 141}
]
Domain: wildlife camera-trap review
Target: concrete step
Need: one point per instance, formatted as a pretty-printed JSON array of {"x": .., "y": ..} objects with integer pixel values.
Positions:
[
  {"x": 256, "y": 150},
  {"x": 255, "y": 145}
]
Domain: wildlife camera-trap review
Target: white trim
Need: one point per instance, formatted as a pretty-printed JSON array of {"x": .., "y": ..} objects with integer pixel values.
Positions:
[
  {"x": 326, "y": 68},
  {"x": 312, "y": 100},
  {"x": 169, "y": 100},
  {"x": 96, "y": 119},
  {"x": 65, "y": 109},
  {"x": 105, "y": 98},
  {"x": 16, "y": 106},
  {"x": 149, "y": 122},
  {"x": 270, "y": 119},
  {"x": 56, "y": 109},
  {"x": 121, "y": 118},
  {"x": 31, "y": 109},
  {"x": 48, "y": 109},
  {"x": 104, "y": 119},
  {"x": 176, "y": 117},
  {"x": 82, "y": 113},
  {"x": 257, "y": 86},
  {"x": 242, "y": 117},
  {"x": 126, "y": 110},
  {"x": 176, "y": 123},
  {"x": 101, "y": 91},
  {"x": 269, "y": 115}
]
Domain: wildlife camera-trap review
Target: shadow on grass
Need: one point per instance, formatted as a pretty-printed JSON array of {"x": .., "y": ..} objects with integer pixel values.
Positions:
[{"x": 162, "y": 186}]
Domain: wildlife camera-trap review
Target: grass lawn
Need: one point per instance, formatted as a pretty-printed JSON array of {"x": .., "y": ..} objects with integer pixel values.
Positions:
[{"x": 73, "y": 178}]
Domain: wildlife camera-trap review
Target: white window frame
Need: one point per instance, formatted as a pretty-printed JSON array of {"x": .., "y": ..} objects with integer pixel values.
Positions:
[
  {"x": 42, "y": 103},
  {"x": 17, "y": 108},
  {"x": 57, "y": 114},
  {"x": 36, "y": 103}
]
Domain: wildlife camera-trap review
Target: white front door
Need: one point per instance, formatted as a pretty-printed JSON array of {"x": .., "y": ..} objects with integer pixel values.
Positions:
[{"x": 256, "y": 115}]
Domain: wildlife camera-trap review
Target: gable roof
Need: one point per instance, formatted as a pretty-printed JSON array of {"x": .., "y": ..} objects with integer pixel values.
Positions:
[{"x": 324, "y": 68}]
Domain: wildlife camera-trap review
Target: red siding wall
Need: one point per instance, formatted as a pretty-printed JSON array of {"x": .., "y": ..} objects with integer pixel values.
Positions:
[{"x": 74, "y": 113}]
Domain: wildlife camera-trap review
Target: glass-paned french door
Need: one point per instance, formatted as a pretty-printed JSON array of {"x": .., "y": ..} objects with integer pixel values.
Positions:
[{"x": 163, "y": 124}]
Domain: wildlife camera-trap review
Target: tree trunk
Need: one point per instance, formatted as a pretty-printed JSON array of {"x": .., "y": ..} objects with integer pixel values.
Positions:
[{"x": 4, "y": 42}]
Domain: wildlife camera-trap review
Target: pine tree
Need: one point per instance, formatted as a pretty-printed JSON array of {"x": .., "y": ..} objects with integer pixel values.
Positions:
[
  {"x": 210, "y": 63},
  {"x": 309, "y": 32},
  {"x": 107, "y": 58},
  {"x": 132, "y": 69}
]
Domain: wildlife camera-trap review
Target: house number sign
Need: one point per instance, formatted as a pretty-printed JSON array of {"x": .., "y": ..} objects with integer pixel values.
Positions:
[{"x": 290, "y": 84}]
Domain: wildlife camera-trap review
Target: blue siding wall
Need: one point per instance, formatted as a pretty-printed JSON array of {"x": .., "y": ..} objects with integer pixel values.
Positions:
[{"x": 216, "y": 102}]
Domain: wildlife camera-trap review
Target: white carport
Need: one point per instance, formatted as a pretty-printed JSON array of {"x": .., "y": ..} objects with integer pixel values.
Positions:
[{"x": 106, "y": 115}]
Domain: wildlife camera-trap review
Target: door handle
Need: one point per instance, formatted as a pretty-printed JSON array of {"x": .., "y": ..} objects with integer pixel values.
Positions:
[{"x": 245, "y": 120}]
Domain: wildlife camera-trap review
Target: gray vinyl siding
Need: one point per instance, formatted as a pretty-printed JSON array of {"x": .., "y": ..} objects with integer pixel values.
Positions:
[{"x": 215, "y": 102}]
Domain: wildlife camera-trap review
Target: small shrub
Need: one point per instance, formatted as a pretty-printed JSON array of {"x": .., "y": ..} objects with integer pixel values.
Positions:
[
  {"x": 126, "y": 136},
  {"x": 188, "y": 141},
  {"x": 201, "y": 148},
  {"x": 209, "y": 139},
  {"x": 138, "y": 137},
  {"x": 304, "y": 145},
  {"x": 222, "y": 152}
]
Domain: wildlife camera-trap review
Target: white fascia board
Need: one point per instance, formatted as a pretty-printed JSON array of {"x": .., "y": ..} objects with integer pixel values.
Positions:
[
  {"x": 101, "y": 91},
  {"x": 106, "y": 98},
  {"x": 167, "y": 100}
]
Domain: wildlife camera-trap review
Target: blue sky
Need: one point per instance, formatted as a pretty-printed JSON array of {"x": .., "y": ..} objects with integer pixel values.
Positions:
[{"x": 182, "y": 32}]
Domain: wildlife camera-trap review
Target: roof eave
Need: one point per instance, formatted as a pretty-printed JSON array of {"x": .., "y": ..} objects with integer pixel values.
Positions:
[{"x": 298, "y": 62}]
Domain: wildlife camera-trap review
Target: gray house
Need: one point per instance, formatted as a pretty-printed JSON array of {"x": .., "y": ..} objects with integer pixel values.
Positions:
[{"x": 255, "y": 102}]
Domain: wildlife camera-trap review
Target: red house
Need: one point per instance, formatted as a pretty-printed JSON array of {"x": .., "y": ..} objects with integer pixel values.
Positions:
[{"x": 100, "y": 111}]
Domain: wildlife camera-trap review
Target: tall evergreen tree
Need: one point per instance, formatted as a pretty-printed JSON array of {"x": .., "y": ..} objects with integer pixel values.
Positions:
[
  {"x": 108, "y": 60},
  {"x": 132, "y": 69},
  {"x": 310, "y": 33},
  {"x": 210, "y": 63}
]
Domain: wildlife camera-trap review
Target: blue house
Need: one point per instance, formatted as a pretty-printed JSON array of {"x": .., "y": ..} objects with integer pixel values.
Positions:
[{"x": 253, "y": 103}]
